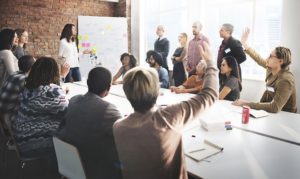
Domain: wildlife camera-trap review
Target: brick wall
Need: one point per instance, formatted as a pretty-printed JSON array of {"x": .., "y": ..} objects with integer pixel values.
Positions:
[{"x": 45, "y": 19}]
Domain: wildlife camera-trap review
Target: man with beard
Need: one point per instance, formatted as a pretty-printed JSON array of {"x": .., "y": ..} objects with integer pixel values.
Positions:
[
  {"x": 155, "y": 61},
  {"x": 194, "y": 55}
]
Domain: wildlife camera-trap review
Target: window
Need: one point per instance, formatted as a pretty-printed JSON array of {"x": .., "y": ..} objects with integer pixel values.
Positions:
[{"x": 262, "y": 16}]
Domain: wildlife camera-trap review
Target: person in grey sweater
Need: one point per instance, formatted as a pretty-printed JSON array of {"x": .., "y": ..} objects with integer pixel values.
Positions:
[{"x": 149, "y": 141}]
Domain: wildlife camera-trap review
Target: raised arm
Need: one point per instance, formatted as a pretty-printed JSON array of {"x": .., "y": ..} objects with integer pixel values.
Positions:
[
  {"x": 251, "y": 52},
  {"x": 179, "y": 114}
]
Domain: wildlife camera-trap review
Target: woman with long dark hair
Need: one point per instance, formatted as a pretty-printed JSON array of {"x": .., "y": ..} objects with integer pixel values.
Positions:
[
  {"x": 43, "y": 104},
  {"x": 230, "y": 82},
  {"x": 8, "y": 62},
  {"x": 19, "y": 50},
  {"x": 68, "y": 52},
  {"x": 128, "y": 61}
]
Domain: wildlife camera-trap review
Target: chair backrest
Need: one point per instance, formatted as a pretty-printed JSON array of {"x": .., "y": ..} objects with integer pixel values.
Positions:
[{"x": 68, "y": 159}]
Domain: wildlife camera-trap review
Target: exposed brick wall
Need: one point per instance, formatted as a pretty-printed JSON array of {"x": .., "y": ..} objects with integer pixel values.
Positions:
[{"x": 45, "y": 19}]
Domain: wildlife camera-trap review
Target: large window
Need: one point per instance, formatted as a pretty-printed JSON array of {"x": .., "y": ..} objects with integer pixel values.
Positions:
[{"x": 263, "y": 17}]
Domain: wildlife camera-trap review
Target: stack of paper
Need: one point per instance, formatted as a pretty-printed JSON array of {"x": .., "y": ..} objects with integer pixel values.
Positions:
[
  {"x": 217, "y": 118},
  {"x": 215, "y": 125}
]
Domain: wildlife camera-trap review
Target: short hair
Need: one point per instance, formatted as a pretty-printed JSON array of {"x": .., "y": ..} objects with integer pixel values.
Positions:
[
  {"x": 156, "y": 56},
  {"x": 67, "y": 33},
  {"x": 228, "y": 27},
  {"x": 25, "y": 63},
  {"x": 232, "y": 63},
  {"x": 198, "y": 24},
  {"x": 284, "y": 54},
  {"x": 99, "y": 80},
  {"x": 19, "y": 33},
  {"x": 43, "y": 72},
  {"x": 7, "y": 39},
  {"x": 141, "y": 87},
  {"x": 161, "y": 27}
]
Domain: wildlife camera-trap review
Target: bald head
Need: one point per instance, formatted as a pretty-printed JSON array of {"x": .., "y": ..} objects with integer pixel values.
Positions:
[{"x": 197, "y": 27}]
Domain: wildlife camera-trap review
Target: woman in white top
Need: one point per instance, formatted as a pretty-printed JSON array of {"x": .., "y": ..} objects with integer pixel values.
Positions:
[
  {"x": 68, "y": 52},
  {"x": 8, "y": 62}
]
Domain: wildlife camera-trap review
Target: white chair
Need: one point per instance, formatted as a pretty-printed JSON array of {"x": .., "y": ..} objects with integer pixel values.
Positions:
[{"x": 68, "y": 159}]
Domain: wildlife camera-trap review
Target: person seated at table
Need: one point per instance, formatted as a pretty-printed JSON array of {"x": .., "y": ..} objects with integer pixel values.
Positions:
[
  {"x": 42, "y": 108},
  {"x": 13, "y": 86},
  {"x": 88, "y": 126},
  {"x": 230, "y": 82},
  {"x": 155, "y": 60},
  {"x": 149, "y": 141},
  {"x": 194, "y": 83},
  {"x": 128, "y": 62},
  {"x": 280, "y": 93}
]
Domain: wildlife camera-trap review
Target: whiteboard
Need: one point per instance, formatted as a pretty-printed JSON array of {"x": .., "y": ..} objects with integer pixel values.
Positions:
[{"x": 107, "y": 37}]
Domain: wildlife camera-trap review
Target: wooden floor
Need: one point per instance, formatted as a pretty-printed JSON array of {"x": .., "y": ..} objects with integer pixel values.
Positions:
[{"x": 9, "y": 166}]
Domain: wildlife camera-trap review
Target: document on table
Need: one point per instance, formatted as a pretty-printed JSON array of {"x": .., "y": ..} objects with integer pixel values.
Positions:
[
  {"x": 203, "y": 150},
  {"x": 258, "y": 113}
]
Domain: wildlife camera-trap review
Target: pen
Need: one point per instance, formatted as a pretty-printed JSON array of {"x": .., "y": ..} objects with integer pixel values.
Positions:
[{"x": 193, "y": 151}]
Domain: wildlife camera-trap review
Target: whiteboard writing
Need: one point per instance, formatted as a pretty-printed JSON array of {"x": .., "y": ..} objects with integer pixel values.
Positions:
[{"x": 106, "y": 37}]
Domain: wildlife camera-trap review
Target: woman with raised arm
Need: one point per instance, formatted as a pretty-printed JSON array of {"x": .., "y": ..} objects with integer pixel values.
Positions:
[{"x": 280, "y": 91}]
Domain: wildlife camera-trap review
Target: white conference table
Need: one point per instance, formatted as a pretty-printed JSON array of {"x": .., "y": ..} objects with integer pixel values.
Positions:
[
  {"x": 245, "y": 155},
  {"x": 284, "y": 126}
]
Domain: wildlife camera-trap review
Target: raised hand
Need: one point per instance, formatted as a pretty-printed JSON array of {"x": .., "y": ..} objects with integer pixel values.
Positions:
[{"x": 244, "y": 37}]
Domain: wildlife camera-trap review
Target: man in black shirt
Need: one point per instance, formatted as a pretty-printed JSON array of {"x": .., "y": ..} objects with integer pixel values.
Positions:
[{"x": 162, "y": 45}]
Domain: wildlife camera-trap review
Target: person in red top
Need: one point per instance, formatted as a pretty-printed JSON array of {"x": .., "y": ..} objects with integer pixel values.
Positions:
[{"x": 194, "y": 83}]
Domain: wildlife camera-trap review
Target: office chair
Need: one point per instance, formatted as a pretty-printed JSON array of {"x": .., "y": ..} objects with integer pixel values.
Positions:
[
  {"x": 21, "y": 159},
  {"x": 68, "y": 159}
]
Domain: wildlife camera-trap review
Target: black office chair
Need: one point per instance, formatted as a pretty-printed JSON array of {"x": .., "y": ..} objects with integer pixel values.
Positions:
[{"x": 22, "y": 161}]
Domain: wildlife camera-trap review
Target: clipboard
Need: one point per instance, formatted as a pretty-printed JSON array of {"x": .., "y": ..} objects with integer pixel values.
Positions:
[{"x": 203, "y": 151}]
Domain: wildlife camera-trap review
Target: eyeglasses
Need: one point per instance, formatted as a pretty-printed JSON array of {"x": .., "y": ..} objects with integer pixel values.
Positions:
[{"x": 272, "y": 56}]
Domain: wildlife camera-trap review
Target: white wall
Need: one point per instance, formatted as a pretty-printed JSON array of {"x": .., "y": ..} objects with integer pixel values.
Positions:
[
  {"x": 290, "y": 36},
  {"x": 252, "y": 89}
]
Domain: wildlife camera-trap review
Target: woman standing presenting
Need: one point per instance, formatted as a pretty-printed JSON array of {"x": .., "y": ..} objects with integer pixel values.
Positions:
[{"x": 68, "y": 52}]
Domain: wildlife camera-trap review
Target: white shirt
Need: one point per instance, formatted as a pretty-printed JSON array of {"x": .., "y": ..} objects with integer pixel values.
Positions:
[
  {"x": 68, "y": 50},
  {"x": 8, "y": 65}
]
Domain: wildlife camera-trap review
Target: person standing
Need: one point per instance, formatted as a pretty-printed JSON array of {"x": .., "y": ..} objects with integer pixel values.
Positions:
[
  {"x": 19, "y": 50},
  {"x": 178, "y": 57},
  {"x": 162, "y": 45},
  {"x": 194, "y": 55},
  {"x": 230, "y": 47},
  {"x": 8, "y": 62},
  {"x": 68, "y": 52}
]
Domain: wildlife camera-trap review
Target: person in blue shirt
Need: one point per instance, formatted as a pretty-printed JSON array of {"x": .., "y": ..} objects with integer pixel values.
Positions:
[{"x": 155, "y": 60}]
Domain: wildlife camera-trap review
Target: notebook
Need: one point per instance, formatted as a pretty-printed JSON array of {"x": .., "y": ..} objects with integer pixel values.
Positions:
[{"x": 203, "y": 150}]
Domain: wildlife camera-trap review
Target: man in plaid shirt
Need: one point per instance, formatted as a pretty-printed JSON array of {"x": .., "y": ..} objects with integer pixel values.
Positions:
[{"x": 13, "y": 86}]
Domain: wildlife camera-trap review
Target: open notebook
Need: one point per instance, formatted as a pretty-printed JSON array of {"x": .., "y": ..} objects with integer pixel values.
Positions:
[{"x": 203, "y": 150}]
